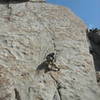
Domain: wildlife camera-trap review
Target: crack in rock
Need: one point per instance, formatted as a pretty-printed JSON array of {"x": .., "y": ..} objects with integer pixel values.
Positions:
[
  {"x": 17, "y": 94},
  {"x": 51, "y": 32},
  {"x": 9, "y": 12},
  {"x": 58, "y": 86}
]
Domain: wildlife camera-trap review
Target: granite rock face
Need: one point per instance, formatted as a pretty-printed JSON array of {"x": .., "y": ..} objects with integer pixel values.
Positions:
[{"x": 30, "y": 31}]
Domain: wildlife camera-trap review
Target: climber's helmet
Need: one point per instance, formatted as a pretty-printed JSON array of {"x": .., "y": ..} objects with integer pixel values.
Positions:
[{"x": 50, "y": 57}]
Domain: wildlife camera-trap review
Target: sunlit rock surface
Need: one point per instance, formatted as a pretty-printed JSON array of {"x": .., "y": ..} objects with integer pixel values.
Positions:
[{"x": 28, "y": 32}]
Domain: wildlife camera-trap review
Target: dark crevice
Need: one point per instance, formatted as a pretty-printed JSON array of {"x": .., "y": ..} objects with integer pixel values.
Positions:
[
  {"x": 12, "y": 1},
  {"x": 58, "y": 86},
  {"x": 38, "y": 1},
  {"x": 19, "y": 1},
  {"x": 93, "y": 36},
  {"x": 58, "y": 89},
  {"x": 17, "y": 94},
  {"x": 10, "y": 12}
]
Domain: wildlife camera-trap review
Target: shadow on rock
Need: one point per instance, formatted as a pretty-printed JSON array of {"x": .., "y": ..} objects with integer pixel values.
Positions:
[
  {"x": 94, "y": 47},
  {"x": 12, "y": 1},
  {"x": 18, "y": 1},
  {"x": 43, "y": 66}
]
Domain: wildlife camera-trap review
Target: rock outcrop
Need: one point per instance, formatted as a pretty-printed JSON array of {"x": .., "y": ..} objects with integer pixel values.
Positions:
[
  {"x": 94, "y": 39},
  {"x": 28, "y": 32}
]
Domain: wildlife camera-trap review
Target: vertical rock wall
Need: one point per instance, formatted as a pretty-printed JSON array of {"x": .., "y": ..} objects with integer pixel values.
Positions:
[
  {"x": 94, "y": 40},
  {"x": 28, "y": 32}
]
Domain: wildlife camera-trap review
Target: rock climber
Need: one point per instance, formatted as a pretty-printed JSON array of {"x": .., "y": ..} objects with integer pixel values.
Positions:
[{"x": 50, "y": 59}]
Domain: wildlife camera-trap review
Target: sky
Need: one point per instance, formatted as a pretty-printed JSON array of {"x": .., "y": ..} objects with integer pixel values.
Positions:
[{"x": 87, "y": 10}]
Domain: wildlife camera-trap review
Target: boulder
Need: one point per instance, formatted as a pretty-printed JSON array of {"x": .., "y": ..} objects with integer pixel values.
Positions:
[{"x": 30, "y": 31}]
